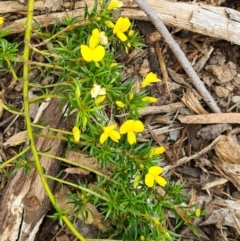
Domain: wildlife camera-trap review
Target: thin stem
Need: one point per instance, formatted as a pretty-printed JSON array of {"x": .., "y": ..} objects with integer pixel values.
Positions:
[
  {"x": 11, "y": 68},
  {"x": 30, "y": 135},
  {"x": 68, "y": 28},
  {"x": 10, "y": 110},
  {"x": 14, "y": 158},
  {"x": 78, "y": 187},
  {"x": 78, "y": 165},
  {"x": 52, "y": 66}
]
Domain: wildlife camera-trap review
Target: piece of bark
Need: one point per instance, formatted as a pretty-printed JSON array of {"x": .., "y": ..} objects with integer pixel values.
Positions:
[
  {"x": 211, "y": 118},
  {"x": 196, "y": 17},
  {"x": 24, "y": 203}
]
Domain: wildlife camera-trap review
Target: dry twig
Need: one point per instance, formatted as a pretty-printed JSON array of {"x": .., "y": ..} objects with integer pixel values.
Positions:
[{"x": 147, "y": 8}]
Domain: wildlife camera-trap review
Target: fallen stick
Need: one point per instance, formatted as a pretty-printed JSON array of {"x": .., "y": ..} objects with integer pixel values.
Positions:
[
  {"x": 198, "y": 84},
  {"x": 185, "y": 160},
  {"x": 217, "y": 22},
  {"x": 231, "y": 118}
]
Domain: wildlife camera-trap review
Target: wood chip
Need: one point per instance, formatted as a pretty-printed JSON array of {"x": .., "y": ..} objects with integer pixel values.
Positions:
[{"x": 211, "y": 118}]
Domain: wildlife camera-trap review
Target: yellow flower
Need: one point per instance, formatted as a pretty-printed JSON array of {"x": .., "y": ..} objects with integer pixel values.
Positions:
[
  {"x": 100, "y": 99},
  {"x": 149, "y": 79},
  {"x": 110, "y": 24},
  {"x": 131, "y": 33},
  {"x": 149, "y": 99},
  {"x": 97, "y": 90},
  {"x": 93, "y": 52},
  {"x": 109, "y": 132},
  {"x": 76, "y": 133},
  {"x": 114, "y": 4},
  {"x": 157, "y": 151},
  {"x": 198, "y": 212},
  {"x": 153, "y": 175},
  {"x": 129, "y": 127},
  {"x": 103, "y": 38},
  {"x": 1, "y": 20},
  {"x": 121, "y": 26},
  {"x": 131, "y": 95},
  {"x": 120, "y": 104}
]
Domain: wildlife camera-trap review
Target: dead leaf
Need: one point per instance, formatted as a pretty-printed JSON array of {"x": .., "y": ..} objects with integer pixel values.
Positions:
[
  {"x": 16, "y": 139},
  {"x": 228, "y": 150},
  {"x": 190, "y": 100},
  {"x": 84, "y": 160}
]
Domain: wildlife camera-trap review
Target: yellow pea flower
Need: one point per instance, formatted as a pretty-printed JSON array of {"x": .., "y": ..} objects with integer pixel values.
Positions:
[
  {"x": 121, "y": 26},
  {"x": 129, "y": 127},
  {"x": 93, "y": 52},
  {"x": 156, "y": 151},
  {"x": 109, "y": 24},
  {"x": 120, "y": 104},
  {"x": 153, "y": 176},
  {"x": 100, "y": 99},
  {"x": 149, "y": 79},
  {"x": 198, "y": 212},
  {"x": 149, "y": 99},
  {"x": 96, "y": 54},
  {"x": 103, "y": 38},
  {"x": 76, "y": 133},
  {"x": 97, "y": 90},
  {"x": 1, "y": 20},
  {"x": 131, "y": 33},
  {"x": 114, "y": 4},
  {"x": 109, "y": 131}
]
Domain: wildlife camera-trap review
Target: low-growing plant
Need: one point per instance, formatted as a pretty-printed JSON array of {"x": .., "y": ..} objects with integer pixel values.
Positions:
[{"x": 134, "y": 200}]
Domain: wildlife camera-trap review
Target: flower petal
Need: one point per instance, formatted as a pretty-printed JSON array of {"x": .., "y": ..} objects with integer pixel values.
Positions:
[
  {"x": 157, "y": 150},
  {"x": 126, "y": 24},
  {"x": 87, "y": 53},
  {"x": 1, "y": 20},
  {"x": 120, "y": 104},
  {"x": 161, "y": 181},
  {"x": 131, "y": 137},
  {"x": 149, "y": 79},
  {"x": 118, "y": 25},
  {"x": 149, "y": 99},
  {"x": 103, "y": 138},
  {"x": 114, "y": 135},
  {"x": 126, "y": 126},
  {"x": 100, "y": 99},
  {"x": 149, "y": 180},
  {"x": 138, "y": 126},
  {"x": 110, "y": 24},
  {"x": 108, "y": 129},
  {"x": 98, "y": 53},
  {"x": 121, "y": 36},
  {"x": 76, "y": 133},
  {"x": 155, "y": 170}
]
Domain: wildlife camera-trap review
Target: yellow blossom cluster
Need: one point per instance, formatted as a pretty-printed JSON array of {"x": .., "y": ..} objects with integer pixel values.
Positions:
[
  {"x": 1, "y": 20},
  {"x": 129, "y": 127},
  {"x": 94, "y": 51}
]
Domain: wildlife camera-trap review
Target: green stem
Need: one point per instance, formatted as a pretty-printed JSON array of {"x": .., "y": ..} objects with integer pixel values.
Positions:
[
  {"x": 10, "y": 110},
  {"x": 78, "y": 187},
  {"x": 68, "y": 28},
  {"x": 51, "y": 129},
  {"x": 65, "y": 160},
  {"x": 11, "y": 68},
  {"x": 52, "y": 66},
  {"x": 39, "y": 168},
  {"x": 14, "y": 158}
]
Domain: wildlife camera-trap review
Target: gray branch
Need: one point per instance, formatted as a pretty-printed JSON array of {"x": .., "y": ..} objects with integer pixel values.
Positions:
[{"x": 152, "y": 14}]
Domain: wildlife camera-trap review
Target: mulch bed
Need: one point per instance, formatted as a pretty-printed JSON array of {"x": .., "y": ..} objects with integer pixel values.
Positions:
[{"x": 202, "y": 150}]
